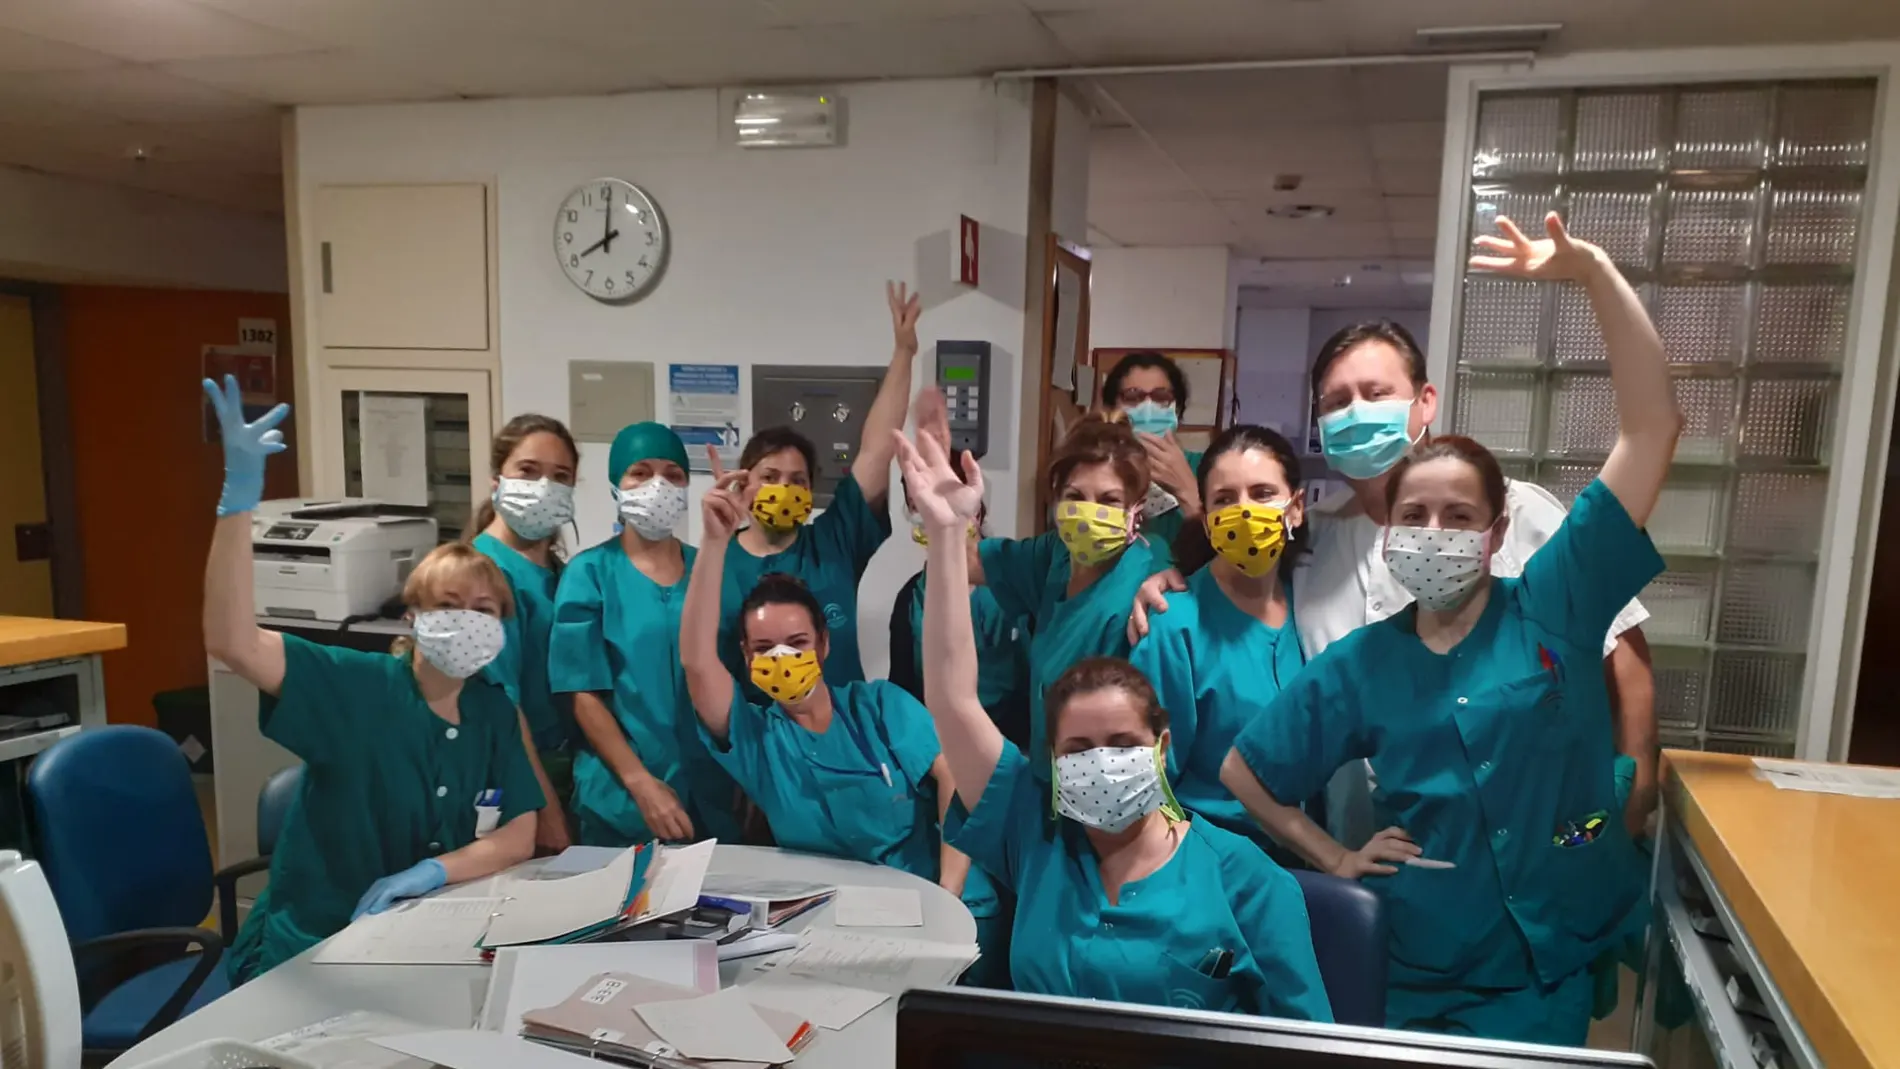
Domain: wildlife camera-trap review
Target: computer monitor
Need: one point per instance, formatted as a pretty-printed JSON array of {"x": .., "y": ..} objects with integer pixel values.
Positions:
[{"x": 962, "y": 1028}]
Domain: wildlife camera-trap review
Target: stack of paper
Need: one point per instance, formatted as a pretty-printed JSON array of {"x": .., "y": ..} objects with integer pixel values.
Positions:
[
  {"x": 1853, "y": 780},
  {"x": 530, "y": 977},
  {"x": 884, "y": 963},
  {"x": 619, "y": 1015},
  {"x": 551, "y": 911},
  {"x": 423, "y": 931},
  {"x": 347, "y": 1042},
  {"x": 768, "y": 902},
  {"x": 828, "y": 1006}
]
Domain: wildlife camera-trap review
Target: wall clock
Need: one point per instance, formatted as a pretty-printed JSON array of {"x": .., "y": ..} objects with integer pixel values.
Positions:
[{"x": 610, "y": 239}]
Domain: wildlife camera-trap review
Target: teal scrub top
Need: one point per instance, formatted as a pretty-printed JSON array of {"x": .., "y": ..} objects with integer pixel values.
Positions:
[
  {"x": 1030, "y": 577},
  {"x": 861, "y": 790},
  {"x": 1161, "y": 530},
  {"x": 386, "y": 784},
  {"x": 617, "y": 634},
  {"x": 522, "y": 667},
  {"x": 1002, "y": 655},
  {"x": 1214, "y": 668},
  {"x": 1489, "y": 756},
  {"x": 1218, "y": 892},
  {"x": 829, "y": 556}
]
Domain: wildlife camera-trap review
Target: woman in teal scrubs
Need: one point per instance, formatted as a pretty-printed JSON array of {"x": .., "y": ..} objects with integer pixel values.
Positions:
[
  {"x": 415, "y": 773},
  {"x": 1073, "y": 583},
  {"x": 828, "y": 555},
  {"x": 1227, "y": 644},
  {"x": 849, "y": 769},
  {"x": 531, "y": 498},
  {"x": 1121, "y": 895},
  {"x": 1484, "y": 711},
  {"x": 1150, "y": 391},
  {"x": 643, "y": 773}
]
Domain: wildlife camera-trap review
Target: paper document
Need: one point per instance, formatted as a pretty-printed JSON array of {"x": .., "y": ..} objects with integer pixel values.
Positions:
[
  {"x": 602, "y": 1016},
  {"x": 878, "y": 907},
  {"x": 394, "y": 433},
  {"x": 877, "y": 962},
  {"x": 825, "y": 1005},
  {"x": 763, "y": 888},
  {"x": 542, "y": 910},
  {"x": 1857, "y": 781},
  {"x": 675, "y": 879},
  {"x": 525, "y": 978},
  {"x": 722, "y": 1027},
  {"x": 577, "y": 859},
  {"x": 756, "y": 942},
  {"x": 421, "y": 931},
  {"x": 346, "y": 1042},
  {"x": 468, "y": 1049}
]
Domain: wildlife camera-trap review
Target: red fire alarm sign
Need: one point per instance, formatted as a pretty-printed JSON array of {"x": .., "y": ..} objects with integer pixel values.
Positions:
[{"x": 966, "y": 258}]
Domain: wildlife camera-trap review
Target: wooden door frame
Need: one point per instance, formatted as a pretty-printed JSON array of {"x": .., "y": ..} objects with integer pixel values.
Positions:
[
  {"x": 1057, "y": 254},
  {"x": 56, "y": 442}
]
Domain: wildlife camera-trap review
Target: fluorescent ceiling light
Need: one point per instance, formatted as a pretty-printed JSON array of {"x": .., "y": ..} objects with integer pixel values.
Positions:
[{"x": 781, "y": 120}]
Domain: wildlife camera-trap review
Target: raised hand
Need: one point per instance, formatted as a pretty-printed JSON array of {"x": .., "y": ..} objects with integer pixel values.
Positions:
[
  {"x": 906, "y": 307},
  {"x": 1558, "y": 258},
  {"x": 937, "y": 493},
  {"x": 245, "y": 445},
  {"x": 723, "y": 509}
]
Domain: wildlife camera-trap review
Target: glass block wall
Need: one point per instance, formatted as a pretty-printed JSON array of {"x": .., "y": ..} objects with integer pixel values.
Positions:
[{"x": 1735, "y": 210}]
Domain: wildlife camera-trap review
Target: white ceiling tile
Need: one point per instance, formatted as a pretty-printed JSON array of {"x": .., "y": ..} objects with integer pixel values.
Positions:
[
  {"x": 1401, "y": 92},
  {"x": 1410, "y": 209},
  {"x": 1287, "y": 148},
  {"x": 1235, "y": 101},
  {"x": 24, "y": 53},
  {"x": 1320, "y": 181},
  {"x": 212, "y": 184},
  {"x": 477, "y": 65},
  {"x": 1407, "y": 142},
  {"x": 1305, "y": 239},
  {"x": 1162, "y": 222},
  {"x": 759, "y": 58},
  {"x": 331, "y": 77},
  {"x": 135, "y": 94},
  {"x": 1148, "y": 31},
  {"x": 1355, "y": 210},
  {"x": 147, "y": 31},
  {"x": 1409, "y": 179},
  {"x": 945, "y": 47},
  {"x": 1415, "y": 228},
  {"x": 1414, "y": 246},
  {"x": 831, "y": 12}
]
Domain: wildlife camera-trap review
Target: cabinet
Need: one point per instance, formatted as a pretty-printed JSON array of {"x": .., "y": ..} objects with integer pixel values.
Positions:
[
  {"x": 403, "y": 267},
  {"x": 410, "y": 436}
]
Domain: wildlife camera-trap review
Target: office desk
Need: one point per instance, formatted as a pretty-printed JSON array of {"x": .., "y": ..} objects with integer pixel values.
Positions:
[
  {"x": 1786, "y": 901},
  {"x": 59, "y": 659},
  {"x": 300, "y": 992}
]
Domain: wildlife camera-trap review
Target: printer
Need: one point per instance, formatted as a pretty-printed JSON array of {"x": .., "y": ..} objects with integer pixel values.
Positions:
[{"x": 335, "y": 559}]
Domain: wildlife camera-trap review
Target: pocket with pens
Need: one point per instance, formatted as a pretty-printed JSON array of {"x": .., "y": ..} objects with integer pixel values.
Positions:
[{"x": 1204, "y": 986}]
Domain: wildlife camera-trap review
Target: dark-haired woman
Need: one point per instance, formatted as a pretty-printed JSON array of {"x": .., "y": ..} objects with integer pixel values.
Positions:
[
  {"x": 1227, "y": 644},
  {"x": 530, "y": 498},
  {"x": 830, "y": 554},
  {"x": 846, "y": 768},
  {"x": 1484, "y": 712},
  {"x": 1124, "y": 896},
  {"x": 644, "y": 773},
  {"x": 1150, "y": 391}
]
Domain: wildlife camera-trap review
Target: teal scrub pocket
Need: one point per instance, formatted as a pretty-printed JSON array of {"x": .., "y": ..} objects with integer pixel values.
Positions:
[
  {"x": 1191, "y": 989},
  {"x": 871, "y": 817}
]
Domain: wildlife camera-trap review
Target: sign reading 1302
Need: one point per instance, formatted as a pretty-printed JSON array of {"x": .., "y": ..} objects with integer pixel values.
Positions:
[{"x": 610, "y": 239}]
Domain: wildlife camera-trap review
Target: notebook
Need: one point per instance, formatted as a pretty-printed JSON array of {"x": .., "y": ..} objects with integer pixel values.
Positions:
[{"x": 601, "y": 1016}]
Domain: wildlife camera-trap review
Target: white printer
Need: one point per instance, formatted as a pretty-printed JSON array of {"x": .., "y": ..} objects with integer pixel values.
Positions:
[{"x": 337, "y": 558}]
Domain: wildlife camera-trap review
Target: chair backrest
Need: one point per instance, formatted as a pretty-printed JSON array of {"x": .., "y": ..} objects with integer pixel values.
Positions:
[
  {"x": 1349, "y": 940},
  {"x": 121, "y": 836},
  {"x": 42, "y": 992},
  {"x": 273, "y": 805}
]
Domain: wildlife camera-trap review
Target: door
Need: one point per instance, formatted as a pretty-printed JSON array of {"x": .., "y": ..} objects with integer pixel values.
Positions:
[
  {"x": 403, "y": 267},
  {"x": 409, "y": 437},
  {"x": 26, "y": 570}
]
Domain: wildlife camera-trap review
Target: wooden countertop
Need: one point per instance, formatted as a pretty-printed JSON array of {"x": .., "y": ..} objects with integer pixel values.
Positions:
[
  {"x": 1812, "y": 878},
  {"x": 26, "y": 639}
]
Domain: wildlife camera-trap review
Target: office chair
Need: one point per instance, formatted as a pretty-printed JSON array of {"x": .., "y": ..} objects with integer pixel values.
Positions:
[
  {"x": 42, "y": 995},
  {"x": 273, "y": 805},
  {"x": 123, "y": 845},
  {"x": 1349, "y": 941}
]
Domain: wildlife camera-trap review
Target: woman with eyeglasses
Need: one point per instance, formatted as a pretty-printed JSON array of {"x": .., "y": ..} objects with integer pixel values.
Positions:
[{"x": 1150, "y": 392}]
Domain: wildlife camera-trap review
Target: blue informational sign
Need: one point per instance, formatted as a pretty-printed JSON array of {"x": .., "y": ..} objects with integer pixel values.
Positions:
[{"x": 705, "y": 411}]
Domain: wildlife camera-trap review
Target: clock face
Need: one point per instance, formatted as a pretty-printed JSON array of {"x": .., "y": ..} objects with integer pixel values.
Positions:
[{"x": 610, "y": 239}]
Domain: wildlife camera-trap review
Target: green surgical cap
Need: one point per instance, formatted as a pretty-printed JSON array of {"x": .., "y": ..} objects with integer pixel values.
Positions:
[{"x": 644, "y": 441}]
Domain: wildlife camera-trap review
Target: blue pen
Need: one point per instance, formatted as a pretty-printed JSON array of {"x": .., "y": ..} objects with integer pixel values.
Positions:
[
  {"x": 730, "y": 905},
  {"x": 490, "y": 797}
]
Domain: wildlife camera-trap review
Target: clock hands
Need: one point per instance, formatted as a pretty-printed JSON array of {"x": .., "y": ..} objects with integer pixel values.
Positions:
[
  {"x": 607, "y": 224},
  {"x": 602, "y": 243}
]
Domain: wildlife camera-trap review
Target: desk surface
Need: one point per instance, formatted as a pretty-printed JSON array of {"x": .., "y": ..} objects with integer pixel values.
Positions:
[
  {"x": 300, "y": 992},
  {"x": 27, "y": 639},
  {"x": 1812, "y": 879}
]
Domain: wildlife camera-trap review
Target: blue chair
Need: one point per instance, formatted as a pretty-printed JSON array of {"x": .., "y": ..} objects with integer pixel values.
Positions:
[
  {"x": 273, "y": 805},
  {"x": 123, "y": 845},
  {"x": 1349, "y": 940}
]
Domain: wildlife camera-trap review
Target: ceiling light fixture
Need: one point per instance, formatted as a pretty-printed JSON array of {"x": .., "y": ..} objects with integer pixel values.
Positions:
[
  {"x": 1300, "y": 211},
  {"x": 1528, "y": 35},
  {"x": 1287, "y": 183},
  {"x": 779, "y": 120}
]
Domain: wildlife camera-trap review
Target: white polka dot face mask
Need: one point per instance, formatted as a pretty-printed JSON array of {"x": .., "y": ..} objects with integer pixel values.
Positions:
[
  {"x": 534, "y": 508},
  {"x": 1439, "y": 567},
  {"x": 1111, "y": 787},
  {"x": 459, "y": 642},
  {"x": 653, "y": 509}
]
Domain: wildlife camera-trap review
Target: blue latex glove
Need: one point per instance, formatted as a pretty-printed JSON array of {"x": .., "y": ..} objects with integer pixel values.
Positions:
[
  {"x": 416, "y": 880},
  {"x": 245, "y": 446}
]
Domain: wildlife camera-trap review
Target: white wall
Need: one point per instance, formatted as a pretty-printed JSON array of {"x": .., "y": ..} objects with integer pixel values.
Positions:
[
  {"x": 57, "y": 229},
  {"x": 1179, "y": 298},
  {"x": 778, "y": 256},
  {"x": 1069, "y": 182}
]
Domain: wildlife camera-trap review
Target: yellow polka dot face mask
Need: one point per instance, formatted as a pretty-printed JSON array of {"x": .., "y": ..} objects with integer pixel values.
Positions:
[
  {"x": 1094, "y": 533},
  {"x": 1250, "y": 536},
  {"x": 786, "y": 674},
  {"x": 782, "y": 506}
]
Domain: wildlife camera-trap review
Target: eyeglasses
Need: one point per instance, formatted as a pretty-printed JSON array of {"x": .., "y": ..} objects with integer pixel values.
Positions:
[{"x": 1132, "y": 395}]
